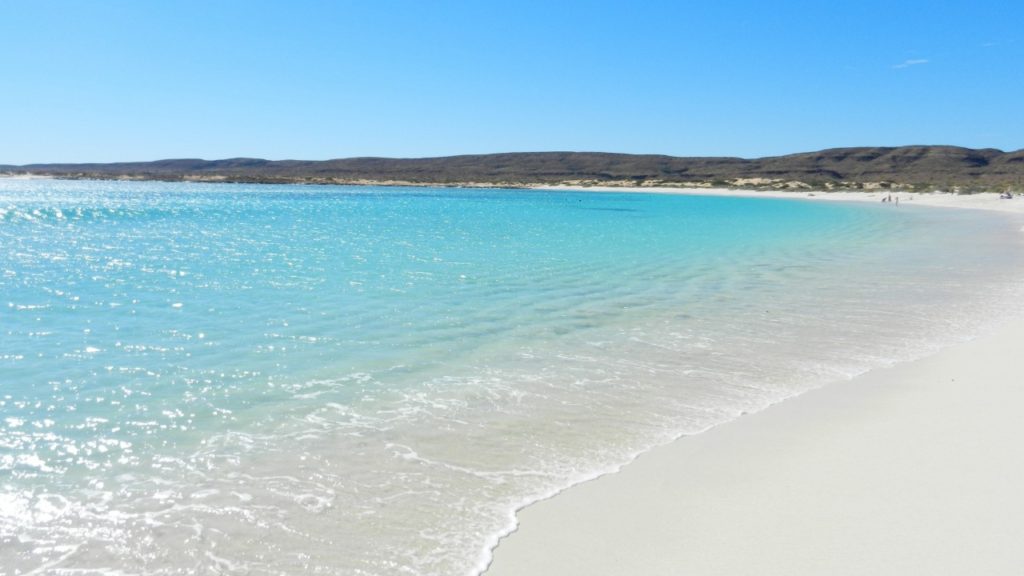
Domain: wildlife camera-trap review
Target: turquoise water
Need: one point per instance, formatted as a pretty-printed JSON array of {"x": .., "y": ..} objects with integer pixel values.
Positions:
[{"x": 290, "y": 379}]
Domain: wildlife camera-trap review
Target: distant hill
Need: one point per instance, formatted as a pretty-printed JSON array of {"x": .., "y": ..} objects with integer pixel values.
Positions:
[{"x": 905, "y": 167}]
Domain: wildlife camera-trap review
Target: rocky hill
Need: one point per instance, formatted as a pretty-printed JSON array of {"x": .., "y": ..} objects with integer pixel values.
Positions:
[{"x": 907, "y": 167}]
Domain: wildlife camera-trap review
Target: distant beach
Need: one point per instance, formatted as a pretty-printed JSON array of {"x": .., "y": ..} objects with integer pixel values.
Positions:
[{"x": 944, "y": 199}]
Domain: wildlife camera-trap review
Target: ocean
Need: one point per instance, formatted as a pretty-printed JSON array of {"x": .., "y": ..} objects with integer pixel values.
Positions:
[{"x": 278, "y": 379}]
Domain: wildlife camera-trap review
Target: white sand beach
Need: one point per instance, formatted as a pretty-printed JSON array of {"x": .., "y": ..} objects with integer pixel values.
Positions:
[
  {"x": 912, "y": 469},
  {"x": 980, "y": 201}
]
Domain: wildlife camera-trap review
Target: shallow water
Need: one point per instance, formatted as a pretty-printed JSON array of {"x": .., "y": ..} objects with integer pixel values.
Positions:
[{"x": 290, "y": 379}]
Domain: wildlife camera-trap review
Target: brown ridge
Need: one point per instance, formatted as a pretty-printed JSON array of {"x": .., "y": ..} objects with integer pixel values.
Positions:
[{"x": 906, "y": 167}]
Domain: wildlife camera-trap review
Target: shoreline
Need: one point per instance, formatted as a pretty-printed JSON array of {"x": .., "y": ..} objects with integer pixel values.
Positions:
[
  {"x": 910, "y": 468},
  {"x": 976, "y": 201},
  {"x": 907, "y": 469}
]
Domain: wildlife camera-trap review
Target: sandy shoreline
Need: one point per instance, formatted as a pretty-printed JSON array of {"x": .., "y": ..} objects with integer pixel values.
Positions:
[
  {"x": 979, "y": 201},
  {"x": 912, "y": 469}
]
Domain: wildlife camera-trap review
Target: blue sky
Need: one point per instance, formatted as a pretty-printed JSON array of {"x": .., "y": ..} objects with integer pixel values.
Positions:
[{"x": 108, "y": 81}]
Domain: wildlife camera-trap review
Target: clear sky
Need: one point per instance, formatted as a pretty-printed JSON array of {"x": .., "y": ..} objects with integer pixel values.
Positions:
[{"x": 106, "y": 81}]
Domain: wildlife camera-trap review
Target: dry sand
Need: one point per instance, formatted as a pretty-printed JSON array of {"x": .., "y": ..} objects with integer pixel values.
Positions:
[
  {"x": 982, "y": 200},
  {"x": 912, "y": 469}
]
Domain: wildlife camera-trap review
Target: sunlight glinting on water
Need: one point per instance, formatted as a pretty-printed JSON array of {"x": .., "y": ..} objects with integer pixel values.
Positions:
[{"x": 293, "y": 379}]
